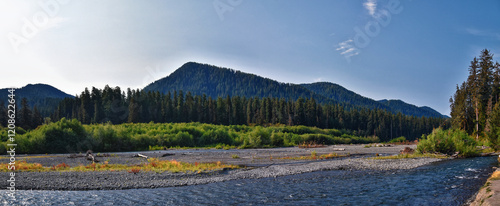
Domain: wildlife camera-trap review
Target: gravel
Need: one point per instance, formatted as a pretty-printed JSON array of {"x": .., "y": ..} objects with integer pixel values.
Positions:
[{"x": 260, "y": 163}]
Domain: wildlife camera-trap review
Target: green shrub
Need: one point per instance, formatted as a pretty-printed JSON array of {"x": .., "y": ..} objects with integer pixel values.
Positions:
[
  {"x": 317, "y": 138},
  {"x": 71, "y": 136},
  {"x": 183, "y": 139},
  {"x": 216, "y": 136},
  {"x": 399, "y": 139},
  {"x": 277, "y": 139},
  {"x": 448, "y": 142}
]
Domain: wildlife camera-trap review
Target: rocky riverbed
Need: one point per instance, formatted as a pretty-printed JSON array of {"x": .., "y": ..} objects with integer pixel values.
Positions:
[{"x": 256, "y": 163}]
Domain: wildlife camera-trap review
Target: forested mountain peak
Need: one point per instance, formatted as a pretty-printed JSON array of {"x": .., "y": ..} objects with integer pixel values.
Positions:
[
  {"x": 41, "y": 90},
  {"x": 216, "y": 82},
  {"x": 45, "y": 97}
]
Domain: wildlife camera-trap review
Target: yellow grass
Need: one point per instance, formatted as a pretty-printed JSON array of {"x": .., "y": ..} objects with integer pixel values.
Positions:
[
  {"x": 314, "y": 156},
  {"x": 404, "y": 156},
  {"x": 152, "y": 165},
  {"x": 495, "y": 175},
  {"x": 28, "y": 157}
]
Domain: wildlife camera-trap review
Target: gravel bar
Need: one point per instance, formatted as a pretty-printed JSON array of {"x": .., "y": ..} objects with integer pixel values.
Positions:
[{"x": 257, "y": 162}]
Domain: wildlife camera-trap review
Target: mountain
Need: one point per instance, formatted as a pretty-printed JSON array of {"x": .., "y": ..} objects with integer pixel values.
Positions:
[
  {"x": 44, "y": 96},
  {"x": 341, "y": 94},
  {"x": 216, "y": 81},
  {"x": 409, "y": 109}
]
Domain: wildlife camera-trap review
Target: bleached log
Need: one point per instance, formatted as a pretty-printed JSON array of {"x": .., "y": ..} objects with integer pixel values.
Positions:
[{"x": 140, "y": 155}]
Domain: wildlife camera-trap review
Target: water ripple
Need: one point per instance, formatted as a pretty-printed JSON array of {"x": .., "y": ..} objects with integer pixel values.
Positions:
[{"x": 443, "y": 183}]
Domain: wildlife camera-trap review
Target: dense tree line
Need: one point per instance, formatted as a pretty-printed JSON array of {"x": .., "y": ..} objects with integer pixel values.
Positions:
[
  {"x": 475, "y": 105},
  {"x": 26, "y": 117},
  {"x": 138, "y": 106}
]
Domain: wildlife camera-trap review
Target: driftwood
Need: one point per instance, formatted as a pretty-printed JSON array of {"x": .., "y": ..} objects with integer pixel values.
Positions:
[
  {"x": 140, "y": 155},
  {"x": 338, "y": 149},
  {"x": 167, "y": 154},
  {"x": 407, "y": 150},
  {"x": 90, "y": 157},
  {"x": 85, "y": 155}
]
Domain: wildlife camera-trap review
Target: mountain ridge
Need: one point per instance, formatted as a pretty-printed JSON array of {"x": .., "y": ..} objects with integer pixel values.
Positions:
[
  {"x": 214, "y": 81},
  {"x": 44, "y": 96},
  {"x": 217, "y": 81}
]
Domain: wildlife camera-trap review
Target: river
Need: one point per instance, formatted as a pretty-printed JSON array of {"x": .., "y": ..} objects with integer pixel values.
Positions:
[{"x": 450, "y": 182}]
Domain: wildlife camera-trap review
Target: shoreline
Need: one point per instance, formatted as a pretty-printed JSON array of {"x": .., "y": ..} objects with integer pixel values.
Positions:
[
  {"x": 259, "y": 163},
  {"x": 489, "y": 194}
]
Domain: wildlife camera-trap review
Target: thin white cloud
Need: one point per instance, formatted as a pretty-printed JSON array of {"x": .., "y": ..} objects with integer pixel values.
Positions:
[
  {"x": 348, "y": 50},
  {"x": 371, "y": 6},
  {"x": 482, "y": 33}
]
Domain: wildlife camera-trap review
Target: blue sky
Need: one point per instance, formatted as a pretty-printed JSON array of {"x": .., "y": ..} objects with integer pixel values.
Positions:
[{"x": 416, "y": 51}]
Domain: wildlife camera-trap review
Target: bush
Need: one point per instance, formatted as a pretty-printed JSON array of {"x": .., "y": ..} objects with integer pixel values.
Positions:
[
  {"x": 448, "y": 142},
  {"x": 399, "y": 139},
  {"x": 317, "y": 138},
  {"x": 277, "y": 139},
  {"x": 183, "y": 139},
  {"x": 216, "y": 136},
  {"x": 71, "y": 136},
  {"x": 290, "y": 139}
]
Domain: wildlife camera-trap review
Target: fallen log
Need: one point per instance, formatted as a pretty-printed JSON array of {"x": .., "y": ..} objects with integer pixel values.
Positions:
[
  {"x": 167, "y": 154},
  {"x": 140, "y": 155}
]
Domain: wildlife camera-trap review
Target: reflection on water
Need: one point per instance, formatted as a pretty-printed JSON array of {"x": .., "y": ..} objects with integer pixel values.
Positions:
[{"x": 444, "y": 183}]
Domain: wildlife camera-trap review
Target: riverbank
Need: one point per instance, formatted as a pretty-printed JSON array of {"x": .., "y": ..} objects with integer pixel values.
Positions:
[
  {"x": 256, "y": 163},
  {"x": 489, "y": 195}
]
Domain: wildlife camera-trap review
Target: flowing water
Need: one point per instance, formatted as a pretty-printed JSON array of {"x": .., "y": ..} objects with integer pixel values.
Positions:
[{"x": 444, "y": 183}]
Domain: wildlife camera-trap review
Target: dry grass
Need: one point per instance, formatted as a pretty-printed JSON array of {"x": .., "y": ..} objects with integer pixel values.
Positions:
[
  {"x": 29, "y": 157},
  {"x": 152, "y": 165},
  {"x": 405, "y": 156},
  {"x": 495, "y": 175},
  {"x": 310, "y": 145},
  {"x": 314, "y": 156}
]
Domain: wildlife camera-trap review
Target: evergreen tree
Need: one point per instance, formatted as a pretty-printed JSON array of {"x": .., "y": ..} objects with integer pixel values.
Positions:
[
  {"x": 85, "y": 110},
  {"x": 472, "y": 105},
  {"x": 494, "y": 123},
  {"x": 3, "y": 114},
  {"x": 133, "y": 115},
  {"x": 37, "y": 118},
  {"x": 25, "y": 115}
]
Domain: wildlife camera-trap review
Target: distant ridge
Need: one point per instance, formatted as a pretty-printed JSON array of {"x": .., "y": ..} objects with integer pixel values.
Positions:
[
  {"x": 220, "y": 82},
  {"x": 341, "y": 94},
  {"x": 45, "y": 97},
  {"x": 410, "y": 109}
]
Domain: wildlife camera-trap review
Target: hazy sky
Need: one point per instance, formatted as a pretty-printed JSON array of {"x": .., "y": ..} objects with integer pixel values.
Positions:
[{"x": 416, "y": 51}]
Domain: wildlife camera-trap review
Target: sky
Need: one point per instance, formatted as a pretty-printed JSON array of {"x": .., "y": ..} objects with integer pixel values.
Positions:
[{"x": 416, "y": 51}]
